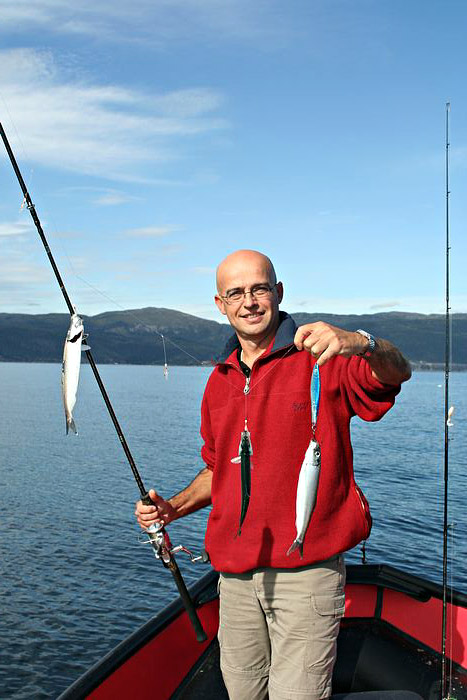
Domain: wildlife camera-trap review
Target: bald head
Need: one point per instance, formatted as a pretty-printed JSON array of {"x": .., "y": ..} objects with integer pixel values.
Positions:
[{"x": 235, "y": 265}]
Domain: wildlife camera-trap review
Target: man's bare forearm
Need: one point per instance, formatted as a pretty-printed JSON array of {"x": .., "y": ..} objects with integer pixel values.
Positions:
[
  {"x": 388, "y": 364},
  {"x": 324, "y": 342},
  {"x": 195, "y": 496}
]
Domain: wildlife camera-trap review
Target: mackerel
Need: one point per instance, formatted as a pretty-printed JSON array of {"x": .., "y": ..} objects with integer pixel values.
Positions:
[{"x": 70, "y": 368}]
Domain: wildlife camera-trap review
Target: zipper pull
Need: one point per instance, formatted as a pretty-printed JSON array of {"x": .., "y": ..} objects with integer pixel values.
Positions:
[{"x": 246, "y": 388}]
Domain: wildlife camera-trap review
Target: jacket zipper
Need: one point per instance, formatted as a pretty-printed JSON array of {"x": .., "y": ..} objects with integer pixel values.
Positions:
[{"x": 246, "y": 388}]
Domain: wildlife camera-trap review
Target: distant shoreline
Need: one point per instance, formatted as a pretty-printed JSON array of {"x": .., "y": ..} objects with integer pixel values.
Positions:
[
  {"x": 436, "y": 367},
  {"x": 418, "y": 366}
]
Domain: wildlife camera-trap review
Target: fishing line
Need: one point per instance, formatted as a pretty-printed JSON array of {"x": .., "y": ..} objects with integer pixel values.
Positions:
[
  {"x": 133, "y": 315},
  {"x": 151, "y": 329},
  {"x": 57, "y": 238},
  {"x": 447, "y": 366},
  {"x": 159, "y": 539},
  {"x": 15, "y": 129},
  {"x": 129, "y": 312},
  {"x": 256, "y": 395},
  {"x": 26, "y": 158},
  {"x": 164, "y": 338}
]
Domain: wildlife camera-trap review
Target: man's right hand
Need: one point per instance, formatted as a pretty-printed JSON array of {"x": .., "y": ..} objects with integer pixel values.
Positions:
[{"x": 161, "y": 511}]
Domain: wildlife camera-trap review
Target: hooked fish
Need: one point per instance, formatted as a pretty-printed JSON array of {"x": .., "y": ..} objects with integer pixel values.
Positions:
[
  {"x": 70, "y": 368},
  {"x": 306, "y": 494}
]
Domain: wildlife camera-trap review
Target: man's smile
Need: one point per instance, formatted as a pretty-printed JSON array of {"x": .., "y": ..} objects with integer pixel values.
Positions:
[{"x": 253, "y": 315}]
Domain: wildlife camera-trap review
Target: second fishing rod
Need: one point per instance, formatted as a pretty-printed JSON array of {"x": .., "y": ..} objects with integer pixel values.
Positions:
[{"x": 158, "y": 536}]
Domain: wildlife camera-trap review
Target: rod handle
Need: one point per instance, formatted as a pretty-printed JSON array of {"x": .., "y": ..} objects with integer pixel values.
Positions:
[
  {"x": 201, "y": 635},
  {"x": 172, "y": 566}
]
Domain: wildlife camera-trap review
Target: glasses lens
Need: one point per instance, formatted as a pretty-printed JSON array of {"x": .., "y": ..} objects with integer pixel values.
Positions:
[
  {"x": 260, "y": 290},
  {"x": 234, "y": 296}
]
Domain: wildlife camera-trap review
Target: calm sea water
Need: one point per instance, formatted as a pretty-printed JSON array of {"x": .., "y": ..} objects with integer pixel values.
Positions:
[{"x": 74, "y": 578}]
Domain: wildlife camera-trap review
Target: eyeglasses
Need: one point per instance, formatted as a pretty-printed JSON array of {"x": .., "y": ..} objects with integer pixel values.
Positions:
[{"x": 259, "y": 290}]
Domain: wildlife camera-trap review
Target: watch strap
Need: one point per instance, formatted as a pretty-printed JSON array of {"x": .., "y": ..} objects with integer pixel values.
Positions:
[{"x": 371, "y": 343}]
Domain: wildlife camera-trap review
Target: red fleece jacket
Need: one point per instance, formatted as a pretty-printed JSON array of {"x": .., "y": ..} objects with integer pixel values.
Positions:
[{"x": 278, "y": 408}]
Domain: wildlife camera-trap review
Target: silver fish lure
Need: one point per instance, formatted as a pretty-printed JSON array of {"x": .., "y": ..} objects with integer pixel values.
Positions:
[
  {"x": 70, "y": 368},
  {"x": 306, "y": 494}
]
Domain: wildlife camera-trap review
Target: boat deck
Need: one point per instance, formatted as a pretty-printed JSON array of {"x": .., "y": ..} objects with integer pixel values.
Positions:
[
  {"x": 368, "y": 657},
  {"x": 205, "y": 681}
]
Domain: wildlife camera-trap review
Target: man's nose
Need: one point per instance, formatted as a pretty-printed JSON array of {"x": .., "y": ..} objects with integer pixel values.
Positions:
[{"x": 249, "y": 300}]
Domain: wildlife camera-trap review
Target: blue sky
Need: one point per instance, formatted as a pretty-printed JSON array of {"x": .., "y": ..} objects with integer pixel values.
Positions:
[{"x": 156, "y": 137}]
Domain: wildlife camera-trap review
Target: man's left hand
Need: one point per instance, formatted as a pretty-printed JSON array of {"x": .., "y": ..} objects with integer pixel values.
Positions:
[{"x": 324, "y": 341}]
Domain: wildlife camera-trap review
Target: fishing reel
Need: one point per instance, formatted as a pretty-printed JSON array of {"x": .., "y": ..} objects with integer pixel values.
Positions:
[{"x": 164, "y": 550}]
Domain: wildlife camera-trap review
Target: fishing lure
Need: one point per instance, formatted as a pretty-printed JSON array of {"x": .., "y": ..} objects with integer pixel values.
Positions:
[
  {"x": 245, "y": 451},
  {"x": 307, "y": 487},
  {"x": 306, "y": 494}
]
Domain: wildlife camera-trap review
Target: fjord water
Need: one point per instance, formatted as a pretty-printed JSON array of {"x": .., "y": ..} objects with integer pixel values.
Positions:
[{"x": 75, "y": 579}]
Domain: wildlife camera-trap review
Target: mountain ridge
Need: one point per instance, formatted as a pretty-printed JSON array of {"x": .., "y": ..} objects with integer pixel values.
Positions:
[{"x": 133, "y": 336}]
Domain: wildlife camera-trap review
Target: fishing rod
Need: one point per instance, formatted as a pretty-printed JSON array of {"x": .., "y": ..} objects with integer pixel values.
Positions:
[
  {"x": 158, "y": 536},
  {"x": 447, "y": 422}
]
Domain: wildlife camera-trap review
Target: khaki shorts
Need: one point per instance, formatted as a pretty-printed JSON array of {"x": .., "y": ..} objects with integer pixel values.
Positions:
[{"x": 278, "y": 630}]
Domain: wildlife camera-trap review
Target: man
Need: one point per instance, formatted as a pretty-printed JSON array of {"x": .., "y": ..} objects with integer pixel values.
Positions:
[{"x": 279, "y": 613}]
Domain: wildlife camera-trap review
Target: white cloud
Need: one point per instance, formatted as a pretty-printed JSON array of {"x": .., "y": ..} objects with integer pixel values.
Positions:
[
  {"x": 96, "y": 129},
  {"x": 150, "y": 231},
  {"x": 155, "y": 23},
  {"x": 114, "y": 198},
  {"x": 385, "y": 305},
  {"x": 102, "y": 196},
  {"x": 16, "y": 275},
  {"x": 364, "y": 305},
  {"x": 15, "y": 228}
]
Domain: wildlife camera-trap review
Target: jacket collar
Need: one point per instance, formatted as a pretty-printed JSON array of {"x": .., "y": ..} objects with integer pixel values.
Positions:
[{"x": 283, "y": 338}]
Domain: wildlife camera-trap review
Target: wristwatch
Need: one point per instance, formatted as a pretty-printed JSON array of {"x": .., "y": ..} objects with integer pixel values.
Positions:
[{"x": 371, "y": 344}]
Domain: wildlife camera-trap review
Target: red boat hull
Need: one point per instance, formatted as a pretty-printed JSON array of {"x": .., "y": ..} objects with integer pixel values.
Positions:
[{"x": 392, "y": 624}]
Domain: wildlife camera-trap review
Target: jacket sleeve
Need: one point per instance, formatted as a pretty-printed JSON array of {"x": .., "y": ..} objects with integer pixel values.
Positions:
[
  {"x": 208, "y": 451},
  {"x": 368, "y": 398}
]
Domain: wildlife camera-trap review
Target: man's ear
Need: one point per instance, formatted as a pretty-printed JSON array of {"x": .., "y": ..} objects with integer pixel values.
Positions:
[
  {"x": 280, "y": 292},
  {"x": 220, "y": 304}
]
